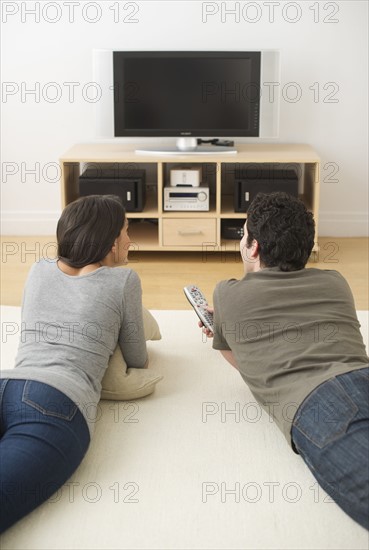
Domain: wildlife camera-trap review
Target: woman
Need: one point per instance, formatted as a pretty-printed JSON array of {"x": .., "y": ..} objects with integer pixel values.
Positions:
[{"x": 75, "y": 309}]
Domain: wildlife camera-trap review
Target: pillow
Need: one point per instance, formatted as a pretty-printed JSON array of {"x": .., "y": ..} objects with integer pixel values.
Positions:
[
  {"x": 119, "y": 382},
  {"x": 151, "y": 327}
]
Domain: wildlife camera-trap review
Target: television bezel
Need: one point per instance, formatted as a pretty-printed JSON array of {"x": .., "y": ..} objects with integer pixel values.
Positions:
[{"x": 256, "y": 69}]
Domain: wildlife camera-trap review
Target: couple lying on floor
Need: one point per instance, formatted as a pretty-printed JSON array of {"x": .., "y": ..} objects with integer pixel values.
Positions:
[{"x": 292, "y": 333}]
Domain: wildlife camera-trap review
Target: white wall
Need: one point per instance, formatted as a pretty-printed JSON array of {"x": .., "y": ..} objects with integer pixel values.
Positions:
[{"x": 325, "y": 48}]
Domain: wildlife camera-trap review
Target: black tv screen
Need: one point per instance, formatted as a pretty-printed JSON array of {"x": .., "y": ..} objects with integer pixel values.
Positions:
[{"x": 186, "y": 93}]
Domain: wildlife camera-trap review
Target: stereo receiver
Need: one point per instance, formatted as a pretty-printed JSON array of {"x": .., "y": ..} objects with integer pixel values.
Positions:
[{"x": 186, "y": 198}]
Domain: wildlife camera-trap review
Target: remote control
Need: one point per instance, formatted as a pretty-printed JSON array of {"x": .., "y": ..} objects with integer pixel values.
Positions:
[{"x": 199, "y": 303}]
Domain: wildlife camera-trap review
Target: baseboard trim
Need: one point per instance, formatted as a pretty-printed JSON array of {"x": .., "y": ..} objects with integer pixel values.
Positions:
[
  {"x": 343, "y": 224},
  {"x": 35, "y": 222}
]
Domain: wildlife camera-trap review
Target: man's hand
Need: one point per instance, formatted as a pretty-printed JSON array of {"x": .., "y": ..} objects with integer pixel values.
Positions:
[{"x": 205, "y": 330}]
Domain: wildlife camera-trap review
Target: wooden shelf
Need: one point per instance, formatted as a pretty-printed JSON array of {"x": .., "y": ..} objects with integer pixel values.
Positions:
[{"x": 150, "y": 236}]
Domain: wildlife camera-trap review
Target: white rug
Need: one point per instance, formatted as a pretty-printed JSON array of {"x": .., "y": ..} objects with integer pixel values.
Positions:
[{"x": 194, "y": 466}]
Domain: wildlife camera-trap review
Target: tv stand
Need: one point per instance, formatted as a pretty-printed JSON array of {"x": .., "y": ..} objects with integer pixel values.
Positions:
[{"x": 158, "y": 230}]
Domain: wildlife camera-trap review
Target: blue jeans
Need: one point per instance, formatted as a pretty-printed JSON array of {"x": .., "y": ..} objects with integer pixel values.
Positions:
[
  {"x": 331, "y": 433},
  {"x": 44, "y": 437}
]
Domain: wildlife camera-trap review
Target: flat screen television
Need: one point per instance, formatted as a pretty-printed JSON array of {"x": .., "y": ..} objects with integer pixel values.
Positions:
[{"x": 189, "y": 95}]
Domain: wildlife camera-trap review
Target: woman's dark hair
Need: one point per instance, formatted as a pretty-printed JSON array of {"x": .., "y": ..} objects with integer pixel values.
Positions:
[
  {"x": 283, "y": 228},
  {"x": 87, "y": 229}
]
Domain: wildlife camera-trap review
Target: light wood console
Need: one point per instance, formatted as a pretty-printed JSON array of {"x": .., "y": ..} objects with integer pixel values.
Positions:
[{"x": 156, "y": 229}]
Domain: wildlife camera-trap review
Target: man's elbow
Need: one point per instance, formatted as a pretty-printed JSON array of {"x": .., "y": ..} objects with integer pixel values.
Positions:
[{"x": 228, "y": 356}]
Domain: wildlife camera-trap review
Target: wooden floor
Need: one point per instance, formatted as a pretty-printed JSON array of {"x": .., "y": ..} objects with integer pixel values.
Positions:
[{"x": 163, "y": 274}]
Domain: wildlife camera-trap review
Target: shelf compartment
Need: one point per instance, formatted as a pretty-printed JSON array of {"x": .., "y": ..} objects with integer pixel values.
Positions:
[
  {"x": 208, "y": 172},
  {"x": 150, "y": 210},
  {"x": 144, "y": 234}
]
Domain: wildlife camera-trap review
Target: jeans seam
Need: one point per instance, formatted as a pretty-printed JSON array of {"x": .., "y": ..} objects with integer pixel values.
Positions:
[{"x": 3, "y": 384}]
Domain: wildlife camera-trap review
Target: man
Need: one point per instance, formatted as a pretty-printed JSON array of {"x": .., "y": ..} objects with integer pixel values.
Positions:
[{"x": 294, "y": 336}]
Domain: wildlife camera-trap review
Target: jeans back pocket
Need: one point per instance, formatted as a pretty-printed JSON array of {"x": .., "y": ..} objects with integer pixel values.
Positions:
[
  {"x": 326, "y": 414},
  {"x": 48, "y": 400}
]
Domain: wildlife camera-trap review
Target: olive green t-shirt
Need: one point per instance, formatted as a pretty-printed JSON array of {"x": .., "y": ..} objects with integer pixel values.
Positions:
[{"x": 289, "y": 332}]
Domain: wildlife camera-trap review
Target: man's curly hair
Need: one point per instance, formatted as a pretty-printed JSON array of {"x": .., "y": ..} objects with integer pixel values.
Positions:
[{"x": 283, "y": 228}]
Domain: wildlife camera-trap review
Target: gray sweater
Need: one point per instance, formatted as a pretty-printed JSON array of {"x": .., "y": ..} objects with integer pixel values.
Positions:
[{"x": 71, "y": 326}]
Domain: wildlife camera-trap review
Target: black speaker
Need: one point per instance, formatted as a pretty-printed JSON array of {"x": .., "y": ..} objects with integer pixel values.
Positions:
[
  {"x": 264, "y": 181},
  {"x": 129, "y": 185}
]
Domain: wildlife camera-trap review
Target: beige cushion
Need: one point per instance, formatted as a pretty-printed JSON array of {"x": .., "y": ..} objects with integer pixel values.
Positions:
[
  {"x": 119, "y": 382},
  {"x": 151, "y": 327}
]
